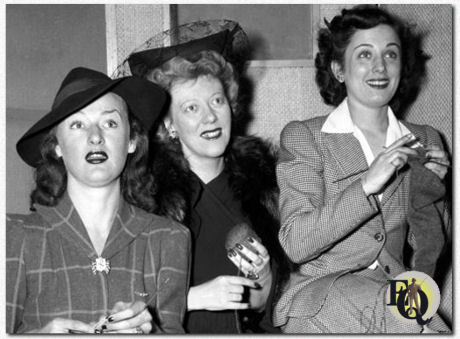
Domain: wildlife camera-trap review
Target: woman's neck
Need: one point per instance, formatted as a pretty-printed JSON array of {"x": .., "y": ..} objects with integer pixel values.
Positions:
[
  {"x": 97, "y": 207},
  {"x": 369, "y": 118},
  {"x": 207, "y": 169}
]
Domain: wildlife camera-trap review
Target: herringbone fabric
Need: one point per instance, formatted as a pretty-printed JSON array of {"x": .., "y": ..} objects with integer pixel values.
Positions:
[{"x": 334, "y": 232}]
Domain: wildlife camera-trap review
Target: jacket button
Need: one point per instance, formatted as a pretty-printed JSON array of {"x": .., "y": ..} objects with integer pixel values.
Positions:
[
  {"x": 245, "y": 319},
  {"x": 379, "y": 236}
]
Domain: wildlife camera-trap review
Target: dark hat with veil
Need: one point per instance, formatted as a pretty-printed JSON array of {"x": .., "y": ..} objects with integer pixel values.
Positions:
[{"x": 223, "y": 36}]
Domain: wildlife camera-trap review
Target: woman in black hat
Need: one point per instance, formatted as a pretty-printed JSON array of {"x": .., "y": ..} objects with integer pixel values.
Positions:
[
  {"x": 90, "y": 259},
  {"x": 222, "y": 186}
]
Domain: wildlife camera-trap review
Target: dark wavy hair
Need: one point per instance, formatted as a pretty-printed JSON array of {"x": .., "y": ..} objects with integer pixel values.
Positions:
[
  {"x": 180, "y": 69},
  {"x": 137, "y": 185},
  {"x": 334, "y": 39}
]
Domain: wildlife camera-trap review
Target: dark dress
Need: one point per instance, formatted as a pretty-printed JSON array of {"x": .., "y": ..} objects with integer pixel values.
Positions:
[
  {"x": 245, "y": 192},
  {"x": 215, "y": 212}
]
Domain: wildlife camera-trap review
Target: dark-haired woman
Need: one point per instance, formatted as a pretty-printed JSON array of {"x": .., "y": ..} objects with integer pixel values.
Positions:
[
  {"x": 347, "y": 182},
  {"x": 221, "y": 186},
  {"x": 90, "y": 259}
]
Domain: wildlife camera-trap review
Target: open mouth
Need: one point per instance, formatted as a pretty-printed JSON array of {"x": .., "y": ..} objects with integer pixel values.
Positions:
[
  {"x": 96, "y": 157},
  {"x": 378, "y": 83},
  {"x": 212, "y": 134}
]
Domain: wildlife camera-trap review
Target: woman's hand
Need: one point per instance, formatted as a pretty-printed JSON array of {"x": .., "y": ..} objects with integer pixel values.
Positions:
[
  {"x": 61, "y": 325},
  {"x": 221, "y": 293},
  {"x": 386, "y": 164},
  {"x": 438, "y": 161},
  {"x": 128, "y": 318},
  {"x": 252, "y": 259}
]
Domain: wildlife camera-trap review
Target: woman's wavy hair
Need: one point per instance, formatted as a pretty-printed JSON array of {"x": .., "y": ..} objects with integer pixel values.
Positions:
[
  {"x": 334, "y": 39},
  {"x": 181, "y": 69},
  {"x": 137, "y": 185}
]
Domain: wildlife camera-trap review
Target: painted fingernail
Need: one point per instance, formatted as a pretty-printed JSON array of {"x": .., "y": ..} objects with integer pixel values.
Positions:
[
  {"x": 104, "y": 327},
  {"x": 251, "y": 240},
  {"x": 257, "y": 285},
  {"x": 97, "y": 331},
  {"x": 231, "y": 253},
  {"x": 238, "y": 246},
  {"x": 110, "y": 319}
]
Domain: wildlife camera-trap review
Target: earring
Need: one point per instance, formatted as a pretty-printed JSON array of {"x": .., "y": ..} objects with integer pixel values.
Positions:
[
  {"x": 340, "y": 77},
  {"x": 172, "y": 134}
]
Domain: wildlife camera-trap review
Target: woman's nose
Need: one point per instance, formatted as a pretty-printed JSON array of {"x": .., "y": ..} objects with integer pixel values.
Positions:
[
  {"x": 95, "y": 136},
  {"x": 379, "y": 64},
  {"x": 210, "y": 115}
]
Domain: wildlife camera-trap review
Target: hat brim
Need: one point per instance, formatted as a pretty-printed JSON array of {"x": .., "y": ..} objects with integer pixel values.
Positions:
[{"x": 144, "y": 99}]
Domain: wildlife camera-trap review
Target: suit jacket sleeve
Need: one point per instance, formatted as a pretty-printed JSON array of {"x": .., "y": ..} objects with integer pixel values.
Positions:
[
  {"x": 310, "y": 223},
  {"x": 173, "y": 279},
  {"x": 434, "y": 138}
]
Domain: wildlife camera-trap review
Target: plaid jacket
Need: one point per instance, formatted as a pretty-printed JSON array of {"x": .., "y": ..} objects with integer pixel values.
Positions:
[
  {"x": 328, "y": 225},
  {"x": 49, "y": 272}
]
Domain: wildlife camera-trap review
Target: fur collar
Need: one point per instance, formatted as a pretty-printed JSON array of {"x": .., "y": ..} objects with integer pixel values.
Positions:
[{"x": 251, "y": 165}]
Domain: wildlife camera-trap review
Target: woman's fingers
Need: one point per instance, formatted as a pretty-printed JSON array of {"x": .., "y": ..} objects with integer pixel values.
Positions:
[
  {"x": 62, "y": 325},
  {"x": 400, "y": 142},
  {"x": 76, "y": 325},
  {"x": 239, "y": 262},
  {"x": 251, "y": 258},
  {"x": 247, "y": 253},
  {"x": 242, "y": 281},
  {"x": 259, "y": 247},
  {"x": 438, "y": 169},
  {"x": 238, "y": 306},
  {"x": 398, "y": 159},
  {"x": 128, "y": 316},
  {"x": 126, "y": 310},
  {"x": 235, "y": 297}
]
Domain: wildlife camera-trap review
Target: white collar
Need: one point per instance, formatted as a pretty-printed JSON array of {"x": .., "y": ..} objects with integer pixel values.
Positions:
[{"x": 339, "y": 121}]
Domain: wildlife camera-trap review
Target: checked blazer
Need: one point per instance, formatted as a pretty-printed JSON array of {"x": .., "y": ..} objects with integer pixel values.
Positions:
[{"x": 329, "y": 227}]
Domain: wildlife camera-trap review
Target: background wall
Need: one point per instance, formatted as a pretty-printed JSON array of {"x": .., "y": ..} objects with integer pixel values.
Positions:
[
  {"x": 275, "y": 31},
  {"x": 43, "y": 42}
]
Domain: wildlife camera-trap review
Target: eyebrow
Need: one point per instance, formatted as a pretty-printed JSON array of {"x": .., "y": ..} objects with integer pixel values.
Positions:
[
  {"x": 105, "y": 112},
  {"x": 370, "y": 45},
  {"x": 110, "y": 111}
]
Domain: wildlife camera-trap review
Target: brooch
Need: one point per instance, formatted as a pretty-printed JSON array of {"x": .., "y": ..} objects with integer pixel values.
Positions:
[{"x": 100, "y": 265}]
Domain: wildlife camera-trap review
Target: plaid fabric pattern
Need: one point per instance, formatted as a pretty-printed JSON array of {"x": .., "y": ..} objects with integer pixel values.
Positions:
[
  {"x": 49, "y": 272},
  {"x": 331, "y": 229}
]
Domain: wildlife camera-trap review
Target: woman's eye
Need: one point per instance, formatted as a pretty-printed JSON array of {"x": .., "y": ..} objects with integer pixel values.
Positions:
[
  {"x": 191, "y": 108},
  {"x": 364, "y": 55},
  {"x": 392, "y": 55},
  {"x": 76, "y": 125},
  {"x": 111, "y": 124},
  {"x": 219, "y": 100}
]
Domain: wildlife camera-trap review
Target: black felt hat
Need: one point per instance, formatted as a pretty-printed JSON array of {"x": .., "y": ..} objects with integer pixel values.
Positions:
[{"x": 81, "y": 87}]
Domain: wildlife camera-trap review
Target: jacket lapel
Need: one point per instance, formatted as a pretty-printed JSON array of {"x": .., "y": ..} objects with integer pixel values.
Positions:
[
  {"x": 128, "y": 223},
  {"x": 65, "y": 219},
  {"x": 347, "y": 152}
]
